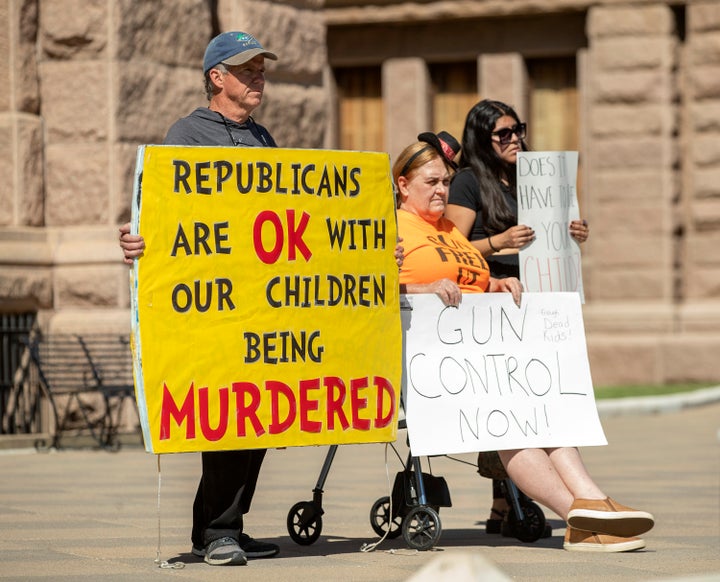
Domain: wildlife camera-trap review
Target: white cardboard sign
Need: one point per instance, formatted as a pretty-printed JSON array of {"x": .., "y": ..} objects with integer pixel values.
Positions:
[
  {"x": 547, "y": 202},
  {"x": 490, "y": 375}
]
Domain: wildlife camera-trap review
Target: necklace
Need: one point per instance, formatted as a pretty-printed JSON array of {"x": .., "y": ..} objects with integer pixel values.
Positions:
[{"x": 250, "y": 123}]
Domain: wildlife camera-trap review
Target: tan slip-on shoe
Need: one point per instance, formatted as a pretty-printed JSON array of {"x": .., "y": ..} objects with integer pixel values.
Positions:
[
  {"x": 586, "y": 541},
  {"x": 609, "y": 517}
]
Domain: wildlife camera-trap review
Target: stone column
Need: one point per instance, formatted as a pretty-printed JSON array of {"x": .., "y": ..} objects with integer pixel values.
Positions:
[
  {"x": 694, "y": 351},
  {"x": 406, "y": 95},
  {"x": 25, "y": 279},
  {"x": 632, "y": 190},
  {"x": 21, "y": 148},
  {"x": 701, "y": 208},
  {"x": 632, "y": 161},
  {"x": 114, "y": 76},
  {"x": 296, "y": 98},
  {"x": 503, "y": 77}
]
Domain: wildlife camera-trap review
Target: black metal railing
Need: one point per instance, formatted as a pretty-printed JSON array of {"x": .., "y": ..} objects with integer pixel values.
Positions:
[{"x": 20, "y": 396}]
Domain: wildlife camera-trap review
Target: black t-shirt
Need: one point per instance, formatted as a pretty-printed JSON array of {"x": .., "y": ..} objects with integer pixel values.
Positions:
[{"x": 465, "y": 191}]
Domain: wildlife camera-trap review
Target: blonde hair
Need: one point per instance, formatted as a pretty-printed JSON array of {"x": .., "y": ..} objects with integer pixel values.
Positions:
[
  {"x": 415, "y": 156},
  {"x": 411, "y": 158}
]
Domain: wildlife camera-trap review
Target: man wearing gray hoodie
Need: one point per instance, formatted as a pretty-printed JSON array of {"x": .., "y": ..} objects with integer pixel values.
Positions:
[{"x": 234, "y": 69}]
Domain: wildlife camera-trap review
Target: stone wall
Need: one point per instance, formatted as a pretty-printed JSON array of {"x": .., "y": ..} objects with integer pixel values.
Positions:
[
  {"x": 700, "y": 209},
  {"x": 653, "y": 119},
  {"x": 632, "y": 153},
  {"x": 632, "y": 172},
  {"x": 84, "y": 82}
]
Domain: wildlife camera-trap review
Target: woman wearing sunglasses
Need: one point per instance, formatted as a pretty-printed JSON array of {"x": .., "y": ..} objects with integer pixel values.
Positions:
[
  {"x": 483, "y": 199},
  {"x": 483, "y": 205}
]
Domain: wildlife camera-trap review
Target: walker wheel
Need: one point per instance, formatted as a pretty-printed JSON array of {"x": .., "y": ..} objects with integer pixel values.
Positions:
[
  {"x": 421, "y": 528},
  {"x": 381, "y": 521},
  {"x": 532, "y": 527},
  {"x": 304, "y": 523}
]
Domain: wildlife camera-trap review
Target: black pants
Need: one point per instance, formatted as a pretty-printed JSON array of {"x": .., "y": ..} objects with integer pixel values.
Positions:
[{"x": 224, "y": 494}]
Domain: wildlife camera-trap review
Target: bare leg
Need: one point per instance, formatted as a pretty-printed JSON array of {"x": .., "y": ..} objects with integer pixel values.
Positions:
[
  {"x": 554, "y": 477},
  {"x": 569, "y": 464}
]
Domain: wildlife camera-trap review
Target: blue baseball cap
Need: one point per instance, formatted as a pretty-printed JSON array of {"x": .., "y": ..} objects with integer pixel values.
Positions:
[{"x": 233, "y": 48}]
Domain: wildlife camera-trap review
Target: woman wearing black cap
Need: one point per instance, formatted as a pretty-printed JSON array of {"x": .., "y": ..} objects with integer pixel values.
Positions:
[{"x": 437, "y": 257}]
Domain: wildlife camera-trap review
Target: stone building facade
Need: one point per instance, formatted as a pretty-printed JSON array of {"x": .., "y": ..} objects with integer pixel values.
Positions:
[{"x": 84, "y": 82}]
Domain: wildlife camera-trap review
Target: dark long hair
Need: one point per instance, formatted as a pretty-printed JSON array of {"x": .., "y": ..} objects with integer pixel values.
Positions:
[{"x": 489, "y": 168}]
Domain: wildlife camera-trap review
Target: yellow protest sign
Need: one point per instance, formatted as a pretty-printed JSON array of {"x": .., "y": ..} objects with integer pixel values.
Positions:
[{"x": 266, "y": 304}]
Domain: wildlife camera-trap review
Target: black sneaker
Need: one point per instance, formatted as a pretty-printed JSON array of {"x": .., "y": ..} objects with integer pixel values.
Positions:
[
  {"x": 256, "y": 549},
  {"x": 224, "y": 552}
]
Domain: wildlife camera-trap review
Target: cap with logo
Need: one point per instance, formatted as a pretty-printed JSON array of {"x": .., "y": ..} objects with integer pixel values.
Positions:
[
  {"x": 444, "y": 143},
  {"x": 233, "y": 48}
]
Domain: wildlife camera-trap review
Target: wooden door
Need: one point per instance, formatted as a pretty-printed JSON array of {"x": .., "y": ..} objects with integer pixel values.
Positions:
[
  {"x": 554, "y": 113},
  {"x": 360, "y": 109},
  {"x": 454, "y": 93}
]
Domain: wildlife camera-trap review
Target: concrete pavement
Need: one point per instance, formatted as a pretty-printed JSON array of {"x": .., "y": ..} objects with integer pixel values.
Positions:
[{"x": 84, "y": 515}]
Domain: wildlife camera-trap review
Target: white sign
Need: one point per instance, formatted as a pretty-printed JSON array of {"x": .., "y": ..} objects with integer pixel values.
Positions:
[
  {"x": 547, "y": 202},
  {"x": 490, "y": 375}
]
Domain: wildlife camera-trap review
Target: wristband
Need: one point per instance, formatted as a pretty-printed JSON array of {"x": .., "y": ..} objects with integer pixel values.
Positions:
[{"x": 492, "y": 248}]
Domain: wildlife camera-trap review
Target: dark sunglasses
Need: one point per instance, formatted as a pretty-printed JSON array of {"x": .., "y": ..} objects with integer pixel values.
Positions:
[{"x": 505, "y": 134}]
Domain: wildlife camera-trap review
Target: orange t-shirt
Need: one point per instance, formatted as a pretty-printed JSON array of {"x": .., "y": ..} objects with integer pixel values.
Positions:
[{"x": 440, "y": 251}]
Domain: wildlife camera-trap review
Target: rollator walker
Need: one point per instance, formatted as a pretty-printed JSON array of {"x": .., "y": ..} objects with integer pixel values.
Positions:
[{"x": 413, "y": 507}]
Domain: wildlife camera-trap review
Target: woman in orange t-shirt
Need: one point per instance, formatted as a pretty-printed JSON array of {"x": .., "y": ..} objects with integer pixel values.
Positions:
[{"x": 439, "y": 259}]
